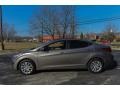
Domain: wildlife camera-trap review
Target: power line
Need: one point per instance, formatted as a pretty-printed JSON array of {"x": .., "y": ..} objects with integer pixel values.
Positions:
[
  {"x": 91, "y": 21},
  {"x": 97, "y": 20}
]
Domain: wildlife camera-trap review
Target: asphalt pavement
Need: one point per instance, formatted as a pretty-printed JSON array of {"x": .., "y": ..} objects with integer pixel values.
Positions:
[{"x": 8, "y": 76}]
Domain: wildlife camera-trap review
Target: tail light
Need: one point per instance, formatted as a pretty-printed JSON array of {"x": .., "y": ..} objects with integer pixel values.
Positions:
[{"x": 107, "y": 49}]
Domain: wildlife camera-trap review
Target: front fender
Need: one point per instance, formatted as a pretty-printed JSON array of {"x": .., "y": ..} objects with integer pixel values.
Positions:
[{"x": 22, "y": 57}]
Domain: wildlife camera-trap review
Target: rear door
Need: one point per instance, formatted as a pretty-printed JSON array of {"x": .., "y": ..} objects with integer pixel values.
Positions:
[{"x": 78, "y": 52}]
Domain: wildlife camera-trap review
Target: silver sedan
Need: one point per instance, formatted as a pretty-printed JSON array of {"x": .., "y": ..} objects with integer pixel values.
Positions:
[{"x": 64, "y": 54}]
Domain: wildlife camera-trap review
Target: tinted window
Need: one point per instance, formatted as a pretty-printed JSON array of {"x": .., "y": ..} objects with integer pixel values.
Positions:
[
  {"x": 78, "y": 44},
  {"x": 60, "y": 45}
]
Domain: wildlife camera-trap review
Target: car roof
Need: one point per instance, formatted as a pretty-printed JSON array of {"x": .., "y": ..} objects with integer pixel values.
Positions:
[{"x": 71, "y": 39}]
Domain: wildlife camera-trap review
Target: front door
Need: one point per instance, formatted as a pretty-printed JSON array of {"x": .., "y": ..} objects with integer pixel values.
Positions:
[{"x": 53, "y": 55}]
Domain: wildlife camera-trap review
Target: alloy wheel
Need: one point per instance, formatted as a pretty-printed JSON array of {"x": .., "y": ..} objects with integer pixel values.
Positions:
[{"x": 26, "y": 67}]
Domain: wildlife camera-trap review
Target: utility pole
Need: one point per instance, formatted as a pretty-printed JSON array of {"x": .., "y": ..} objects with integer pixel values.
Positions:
[
  {"x": 1, "y": 29},
  {"x": 42, "y": 32}
]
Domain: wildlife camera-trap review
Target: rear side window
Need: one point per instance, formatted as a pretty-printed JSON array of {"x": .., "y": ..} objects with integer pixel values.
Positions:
[{"x": 73, "y": 44}]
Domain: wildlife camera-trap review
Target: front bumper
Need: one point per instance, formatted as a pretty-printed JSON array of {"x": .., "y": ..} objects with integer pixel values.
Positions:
[{"x": 14, "y": 64}]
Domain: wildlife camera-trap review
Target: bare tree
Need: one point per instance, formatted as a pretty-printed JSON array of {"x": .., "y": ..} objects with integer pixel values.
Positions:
[
  {"x": 37, "y": 25},
  {"x": 109, "y": 32},
  {"x": 54, "y": 20},
  {"x": 65, "y": 20},
  {"x": 45, "y": 22},
  {"x": 49, "y": 21},
  {"x": 6, "y": 31},
  {"x": 68, "y": 21},
  {"x": 12, "y": 33},
  {"x": 9, "y": 32},
  {"x": 1, "y": 29},
  {"x": 73, "y": 23}
]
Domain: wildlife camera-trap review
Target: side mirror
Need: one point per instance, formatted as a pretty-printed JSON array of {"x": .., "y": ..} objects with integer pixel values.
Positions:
[{"x": 44, "y": 49}]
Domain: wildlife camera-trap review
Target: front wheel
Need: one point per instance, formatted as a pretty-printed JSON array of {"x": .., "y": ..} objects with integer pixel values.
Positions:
[
  {"x": 96, "y": 65},
  {"x": 26, "y": 67}
]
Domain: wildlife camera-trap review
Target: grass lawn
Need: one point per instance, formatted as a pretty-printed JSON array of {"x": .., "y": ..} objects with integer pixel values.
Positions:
[
  {"x": 17, "y": 46},
  {"x": 115, "y": 45}
]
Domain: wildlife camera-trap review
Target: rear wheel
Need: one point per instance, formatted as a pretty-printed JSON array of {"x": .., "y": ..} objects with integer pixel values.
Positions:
[
  {"x": 27, "y": 67},
  {"x": 96, "y": 65}
]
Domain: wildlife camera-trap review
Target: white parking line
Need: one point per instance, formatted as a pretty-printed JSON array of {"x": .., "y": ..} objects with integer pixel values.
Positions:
[
  {"x": 108, "y": 80},
  {"x": 118, "y": 68}
]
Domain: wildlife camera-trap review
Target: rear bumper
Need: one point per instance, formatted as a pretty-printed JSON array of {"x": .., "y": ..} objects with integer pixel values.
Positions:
[{"x": 109, "y": 61}]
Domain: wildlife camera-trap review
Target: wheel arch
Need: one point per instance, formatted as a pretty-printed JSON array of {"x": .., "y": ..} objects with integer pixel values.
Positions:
[
  {"x": 17, "y": 66},
  {"x": 100, "y": 57}
]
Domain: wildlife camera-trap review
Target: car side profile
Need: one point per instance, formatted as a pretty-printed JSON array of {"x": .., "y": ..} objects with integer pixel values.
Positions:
[{"x": 64, "y": 54}]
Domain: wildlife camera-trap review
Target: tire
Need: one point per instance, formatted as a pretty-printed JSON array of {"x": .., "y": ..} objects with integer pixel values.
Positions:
[
  {"x": 26, "y": 67},
  {"x": 96, "y": 65}
]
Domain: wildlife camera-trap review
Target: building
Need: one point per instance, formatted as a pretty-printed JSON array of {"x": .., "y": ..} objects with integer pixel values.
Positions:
[
  {"x": 91, "y": 36},
  {"x": 47, "y": 38}
]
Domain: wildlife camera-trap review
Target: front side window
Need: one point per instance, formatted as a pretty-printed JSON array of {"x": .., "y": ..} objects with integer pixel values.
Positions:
[{"x": 59, "y": 45}]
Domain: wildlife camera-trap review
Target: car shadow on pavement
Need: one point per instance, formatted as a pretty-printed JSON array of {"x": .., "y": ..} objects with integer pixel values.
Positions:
[
  {"x": 60, "y": 70},
  {"x": 112, "y": 66}
]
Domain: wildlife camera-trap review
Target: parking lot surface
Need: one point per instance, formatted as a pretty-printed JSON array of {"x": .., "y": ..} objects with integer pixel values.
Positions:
[{"x": 8, "y": 76}]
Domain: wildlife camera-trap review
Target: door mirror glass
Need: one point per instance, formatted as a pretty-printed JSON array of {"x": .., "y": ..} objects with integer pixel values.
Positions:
[{"x": 44, "y": 49}]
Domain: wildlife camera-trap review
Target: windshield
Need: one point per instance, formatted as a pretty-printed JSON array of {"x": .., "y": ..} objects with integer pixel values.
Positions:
[
  {"x": 38, "y": 45},
  {"x": 41, "y": 44}
]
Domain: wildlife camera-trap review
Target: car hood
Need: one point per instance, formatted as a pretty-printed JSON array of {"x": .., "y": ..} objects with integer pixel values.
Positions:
[{"x": 18, "y": 54}]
